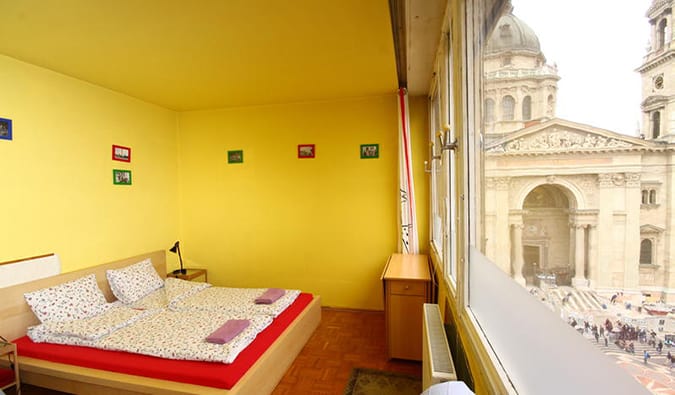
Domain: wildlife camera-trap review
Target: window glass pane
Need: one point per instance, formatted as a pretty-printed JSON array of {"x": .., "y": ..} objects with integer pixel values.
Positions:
[
  {"x": 561, "y": 217},
  {"x": 646, "y": 252},
  {"x": 438, "y": 197}
]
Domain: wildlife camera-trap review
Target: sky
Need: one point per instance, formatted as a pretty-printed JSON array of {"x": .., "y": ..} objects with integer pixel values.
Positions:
[{"x": 597, "y": 45}]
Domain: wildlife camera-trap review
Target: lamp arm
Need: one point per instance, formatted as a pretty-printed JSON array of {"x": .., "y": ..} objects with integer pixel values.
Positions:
[{"x": 180, "y": 258}]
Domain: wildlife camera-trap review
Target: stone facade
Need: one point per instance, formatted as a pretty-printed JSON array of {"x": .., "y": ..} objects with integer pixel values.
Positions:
[{"x": 563, "y": 200}]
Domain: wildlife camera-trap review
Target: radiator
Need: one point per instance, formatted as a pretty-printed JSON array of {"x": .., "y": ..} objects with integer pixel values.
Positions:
[{"x": 437, "y": 365}]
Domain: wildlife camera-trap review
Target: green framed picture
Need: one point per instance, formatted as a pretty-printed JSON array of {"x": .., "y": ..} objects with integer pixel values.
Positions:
[
  {"x": 236, "y": 156},
  {"x": 121, "y": 177},
  {"x": 370, "y": 151}
]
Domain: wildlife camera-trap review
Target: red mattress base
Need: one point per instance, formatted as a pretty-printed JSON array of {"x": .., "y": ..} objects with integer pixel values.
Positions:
[{"x": 211, "y": 374}]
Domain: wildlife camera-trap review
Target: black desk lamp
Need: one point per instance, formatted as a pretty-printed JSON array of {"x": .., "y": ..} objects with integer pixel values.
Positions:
[{"x": 176, "y": 247}]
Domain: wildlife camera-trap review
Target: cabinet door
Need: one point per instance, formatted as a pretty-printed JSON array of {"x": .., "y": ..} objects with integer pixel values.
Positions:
[{"x": 405, "y": 326}]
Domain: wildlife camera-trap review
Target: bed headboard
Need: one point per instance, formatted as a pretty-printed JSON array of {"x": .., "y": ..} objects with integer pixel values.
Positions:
[
  {"x": 29, "y": 269},
  {"x": 15, "y": 314}
]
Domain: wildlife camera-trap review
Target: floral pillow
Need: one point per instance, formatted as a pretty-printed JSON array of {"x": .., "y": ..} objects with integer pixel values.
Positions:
[
  {"x": 77, "y": 299},
  {"x": 134, "y": 282}
]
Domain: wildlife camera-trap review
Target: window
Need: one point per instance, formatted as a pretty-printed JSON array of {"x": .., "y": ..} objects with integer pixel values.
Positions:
[
  {"x": 508, "y": 106},
  {"x": 656, "y": 124},
  {"x": 443, "y": 166},
  {"x": 661, "y": 34},
  {"x": 645, "y": 196},
  {"x": 646, "y": 252},
  {"x": 542, "y": 219},
  {"x": 437, "y": 190},
  {"x": 652, "y": 196},
  {"x": 550, "y": 105},
  {"x": 527, "y": 108}
]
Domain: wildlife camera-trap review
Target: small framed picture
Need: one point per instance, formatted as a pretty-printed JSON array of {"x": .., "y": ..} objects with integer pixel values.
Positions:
[
  {"x": 306, "y": 151},
  {"x": 370, "y": 151},
  {"x": 120, "y": 153},
  {"x": 5, "y": 129},
  {"x": 121, "y": 177},
  {"x": 236, "y": 156}
]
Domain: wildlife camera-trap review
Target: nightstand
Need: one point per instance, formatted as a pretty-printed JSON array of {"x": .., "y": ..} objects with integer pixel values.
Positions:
[
  {"x": 407, "y": 286},
  {"x": 9, "y": 367},
  {"x": 190, "y": 274}
]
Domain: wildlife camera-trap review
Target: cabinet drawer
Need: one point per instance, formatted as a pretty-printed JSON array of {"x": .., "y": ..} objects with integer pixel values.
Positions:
[{"x": 407, "y": 287}]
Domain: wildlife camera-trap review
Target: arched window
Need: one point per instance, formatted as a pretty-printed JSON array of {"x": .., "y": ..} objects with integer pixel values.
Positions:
[
  {"x": 508, "y": 107},
  {"x": 661, "y": 34},
  {"x": 527, "y": 108},
  {"x": 645, "y": 196},
  {"x": 489, "y": 110},
  {"x": 652, "y": 196},
  {"x": 646, "y": 252},
  {"x": 656, "y": 124}
]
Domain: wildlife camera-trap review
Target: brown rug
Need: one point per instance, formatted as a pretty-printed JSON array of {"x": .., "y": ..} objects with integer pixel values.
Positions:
[{"x": 377, "y": 382}]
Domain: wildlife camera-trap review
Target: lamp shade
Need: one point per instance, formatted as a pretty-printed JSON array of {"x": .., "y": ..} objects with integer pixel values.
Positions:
[{"x": 176, "y": 249}]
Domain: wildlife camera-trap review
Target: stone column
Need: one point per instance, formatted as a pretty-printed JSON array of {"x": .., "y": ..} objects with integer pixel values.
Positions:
[
  {"x": 593, "y": 254},
  {"x": 517, "y": 225},
  {"x": 579, "y": 255},
  {"x": 518, "y": 261},
  {"x": 501, "y": 238},
  {"x": 631, "y": 279}
]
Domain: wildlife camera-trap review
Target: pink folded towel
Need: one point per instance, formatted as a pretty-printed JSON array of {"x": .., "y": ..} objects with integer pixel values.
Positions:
[
  {"x": 270, "y": 296},
  {"x": 228, "y": 331}
]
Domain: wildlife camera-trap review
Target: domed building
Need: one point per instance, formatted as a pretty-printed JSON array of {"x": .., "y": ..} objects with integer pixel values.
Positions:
[
  {"x": 570, "y": 203},
  {"x": 519, "y": 86}
]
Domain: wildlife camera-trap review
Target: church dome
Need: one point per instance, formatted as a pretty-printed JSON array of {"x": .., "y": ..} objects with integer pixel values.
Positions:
[{"x": 512, "y": 34}]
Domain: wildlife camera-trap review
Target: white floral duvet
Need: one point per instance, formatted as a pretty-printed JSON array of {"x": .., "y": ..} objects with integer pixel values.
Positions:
[
  {"x": 171, "y": 322},
  {"x": 157, "y": 332},
  {"x": 180, "y": 295}
]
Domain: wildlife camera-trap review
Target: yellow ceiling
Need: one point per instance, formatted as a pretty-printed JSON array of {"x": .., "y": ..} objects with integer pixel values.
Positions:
[{"x": 203, "y": 54}]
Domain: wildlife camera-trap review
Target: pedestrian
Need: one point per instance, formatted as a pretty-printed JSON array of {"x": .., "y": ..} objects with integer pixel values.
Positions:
[{"x": 646, "y": 356}]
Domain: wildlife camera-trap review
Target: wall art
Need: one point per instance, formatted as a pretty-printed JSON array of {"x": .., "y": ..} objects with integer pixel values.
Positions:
[
  {"x": 120, "y": 153},
  {"x": 306, "y": 151},
  {"x": 236, "y": 156},
  {"x": 370, "y": 151},
  {"x": 121, "y": 177},
  {"x": 5, "y": 129}
]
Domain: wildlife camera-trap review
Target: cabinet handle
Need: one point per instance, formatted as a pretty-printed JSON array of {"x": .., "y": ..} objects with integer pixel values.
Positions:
[{"x": 407, "y": 287}]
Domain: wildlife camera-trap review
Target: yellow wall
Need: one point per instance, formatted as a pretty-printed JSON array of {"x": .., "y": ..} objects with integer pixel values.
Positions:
[
  {"x": 56, "y": 190},
  {"x": 323, "y": 225}
]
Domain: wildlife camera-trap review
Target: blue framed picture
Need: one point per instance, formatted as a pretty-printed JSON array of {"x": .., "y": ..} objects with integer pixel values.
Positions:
[{"x": 5, "y": 129}]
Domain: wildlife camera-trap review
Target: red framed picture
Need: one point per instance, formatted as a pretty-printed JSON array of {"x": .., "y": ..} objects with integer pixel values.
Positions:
[
  {"x": 306, "y": 151},
  {"x": 122, "y": 154}
]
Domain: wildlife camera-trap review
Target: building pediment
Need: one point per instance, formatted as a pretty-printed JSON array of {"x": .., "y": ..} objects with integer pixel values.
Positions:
[
  {"x": 651, "y": 229},
  {"x": 654, "y": 100},
  {"x": 558, "y": 135}
]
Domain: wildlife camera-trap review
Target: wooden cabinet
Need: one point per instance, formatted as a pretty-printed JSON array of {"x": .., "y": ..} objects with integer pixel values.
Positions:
[
  {"x": 407, "y": 286},
  {"x": 9, "y": 367}
]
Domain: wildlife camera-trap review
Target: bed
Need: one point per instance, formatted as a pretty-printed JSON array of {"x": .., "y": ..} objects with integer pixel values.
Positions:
[{"x": 265, "y": 371}]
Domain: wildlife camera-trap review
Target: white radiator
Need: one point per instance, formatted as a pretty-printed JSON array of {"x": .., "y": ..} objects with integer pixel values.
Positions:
[{"x": 437, "y": 365}]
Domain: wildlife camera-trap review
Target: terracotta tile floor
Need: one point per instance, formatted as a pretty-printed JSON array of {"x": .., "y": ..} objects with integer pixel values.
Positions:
[{"x": 345, "y": 339}]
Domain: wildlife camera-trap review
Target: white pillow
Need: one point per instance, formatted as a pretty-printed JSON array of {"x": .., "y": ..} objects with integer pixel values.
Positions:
[
  {"x": 77, "y": 299},
  {"x": 134, "y": 282}
]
